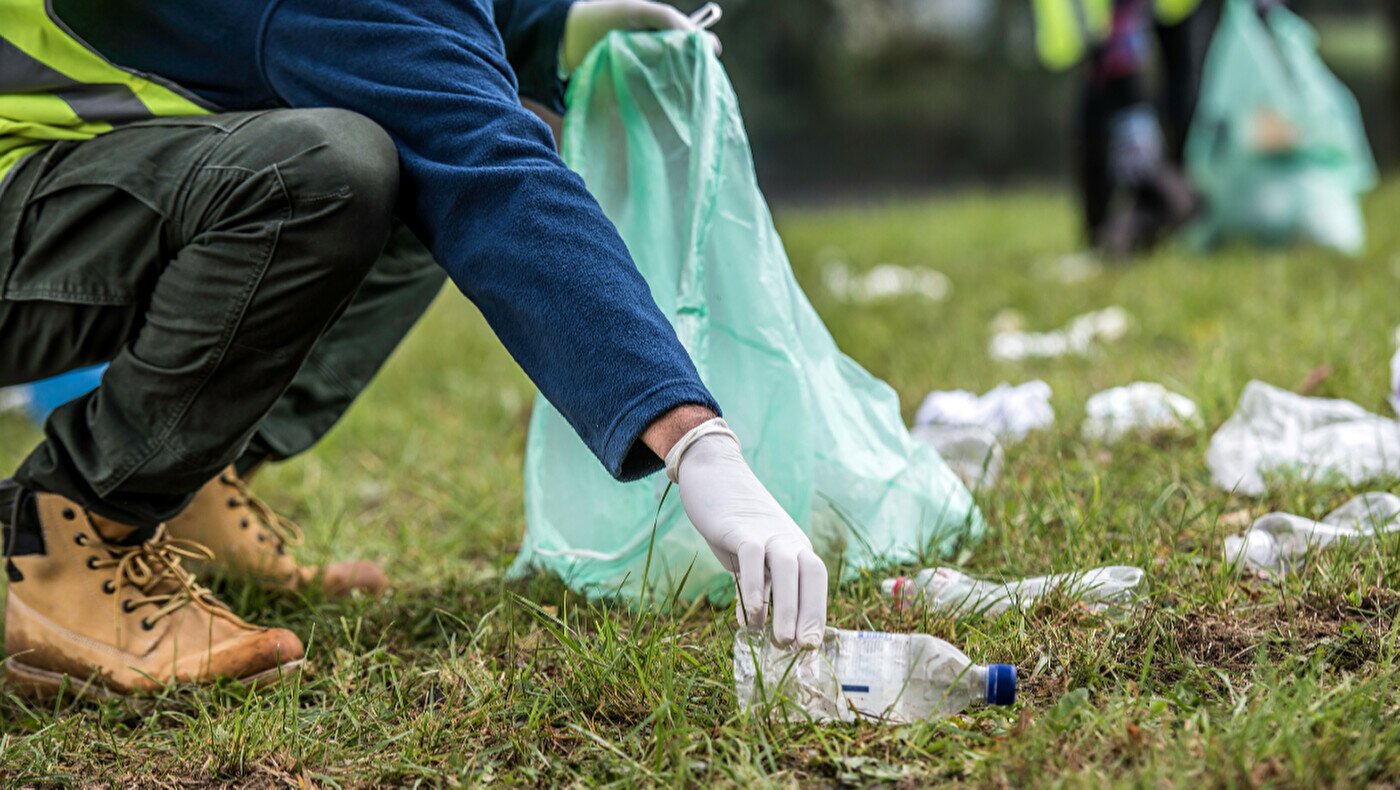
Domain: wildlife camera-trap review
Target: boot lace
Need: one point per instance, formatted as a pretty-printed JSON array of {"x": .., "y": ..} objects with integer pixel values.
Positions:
[
  {"x": 153, "y": 569},
  {"x": 287, "y": 532}
]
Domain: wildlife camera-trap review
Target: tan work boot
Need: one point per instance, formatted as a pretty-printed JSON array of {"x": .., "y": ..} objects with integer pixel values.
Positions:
[
  {"x": 248, "y": 539},
  {"x": 117, "y": 620}
]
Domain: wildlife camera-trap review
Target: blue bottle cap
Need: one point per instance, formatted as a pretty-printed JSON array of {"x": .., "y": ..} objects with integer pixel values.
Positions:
[{"x": 1001, "y": 684}]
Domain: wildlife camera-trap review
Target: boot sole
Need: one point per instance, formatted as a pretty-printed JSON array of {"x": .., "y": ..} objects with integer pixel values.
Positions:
[{"x": 43, "y": 684}]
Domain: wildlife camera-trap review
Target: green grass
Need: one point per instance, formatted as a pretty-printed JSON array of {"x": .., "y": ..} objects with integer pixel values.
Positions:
[{"x": 459, "y": 677}]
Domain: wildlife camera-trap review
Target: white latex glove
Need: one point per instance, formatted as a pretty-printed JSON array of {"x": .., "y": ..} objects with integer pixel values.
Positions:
[
  {"x": 589, "y": 20},
  {"x": 751, "y": 534}
]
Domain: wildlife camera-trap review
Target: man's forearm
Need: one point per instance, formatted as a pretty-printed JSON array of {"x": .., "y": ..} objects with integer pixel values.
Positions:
[{"x": 668, "y": 429}]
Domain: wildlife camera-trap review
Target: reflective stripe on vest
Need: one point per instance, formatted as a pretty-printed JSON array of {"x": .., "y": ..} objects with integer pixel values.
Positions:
[{"x": 54, "y": 87}]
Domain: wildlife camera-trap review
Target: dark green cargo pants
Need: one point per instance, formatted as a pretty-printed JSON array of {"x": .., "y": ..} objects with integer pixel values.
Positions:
[{"x": 230, "y": 269}]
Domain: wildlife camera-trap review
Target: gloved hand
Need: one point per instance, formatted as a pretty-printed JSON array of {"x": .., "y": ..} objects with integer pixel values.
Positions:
[
  {"x": 751, "y": 534},
  {"x": 589, "y": 20}
]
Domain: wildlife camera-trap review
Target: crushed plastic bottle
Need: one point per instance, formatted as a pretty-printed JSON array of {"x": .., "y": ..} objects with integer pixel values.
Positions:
[
  {"x": 869, "y": 675},
  {"x": 1278, "y": 542},
  {"x": 1109, "y": 587}
]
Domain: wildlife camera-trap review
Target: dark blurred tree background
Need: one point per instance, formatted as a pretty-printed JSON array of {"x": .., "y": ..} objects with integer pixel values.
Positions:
[{"x": 871, "y": 97}]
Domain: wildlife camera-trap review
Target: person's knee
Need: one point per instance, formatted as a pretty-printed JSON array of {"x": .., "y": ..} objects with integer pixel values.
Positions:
[
  {"x": 321, "y": 155},
  {"x": 345, "y": 152},
  {"x": 321, "y": 150},
  {"x": 340, "y": 173}
]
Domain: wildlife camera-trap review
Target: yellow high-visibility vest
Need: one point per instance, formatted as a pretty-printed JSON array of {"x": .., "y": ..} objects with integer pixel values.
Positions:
[
  {"x": 1066, "y": 29},
  {"x": 55, "y": 87},
  {"x": 1172, "y": 12}
]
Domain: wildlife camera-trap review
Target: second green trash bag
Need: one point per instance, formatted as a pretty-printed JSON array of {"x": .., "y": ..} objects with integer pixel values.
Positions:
[
  {"x": 654, "y": 129},
  {"x": 1277, "y": 146}
]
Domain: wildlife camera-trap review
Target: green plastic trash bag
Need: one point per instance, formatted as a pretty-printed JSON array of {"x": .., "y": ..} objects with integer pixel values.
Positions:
[
  {"x": 1277, "y": 146},
  {"x": 654, "y": 129}
]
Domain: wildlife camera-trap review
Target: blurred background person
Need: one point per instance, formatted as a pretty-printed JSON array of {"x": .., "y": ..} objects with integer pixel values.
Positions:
[
  {"x": 1132, "y": 189},
  {"x": 1130, "y": 141}
]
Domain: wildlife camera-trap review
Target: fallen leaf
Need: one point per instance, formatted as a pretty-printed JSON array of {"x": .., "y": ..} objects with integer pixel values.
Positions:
[
  {"x": 1313, "y": 381},
  {"x": 1023, "y": 722}
]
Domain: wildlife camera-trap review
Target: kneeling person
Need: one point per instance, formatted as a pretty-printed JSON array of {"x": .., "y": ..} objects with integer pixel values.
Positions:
[{"x": 245, "y": 252}]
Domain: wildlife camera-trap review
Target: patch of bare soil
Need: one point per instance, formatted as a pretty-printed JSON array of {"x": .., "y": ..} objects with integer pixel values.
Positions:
[{"x": 1344, "y": 632}]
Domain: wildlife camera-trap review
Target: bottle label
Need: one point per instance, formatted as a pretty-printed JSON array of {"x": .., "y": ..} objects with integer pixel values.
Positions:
[{"x": 871, "y": 670}]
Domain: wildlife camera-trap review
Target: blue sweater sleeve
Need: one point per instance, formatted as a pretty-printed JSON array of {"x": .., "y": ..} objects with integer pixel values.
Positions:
[{"x": 483, "y": 188}]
